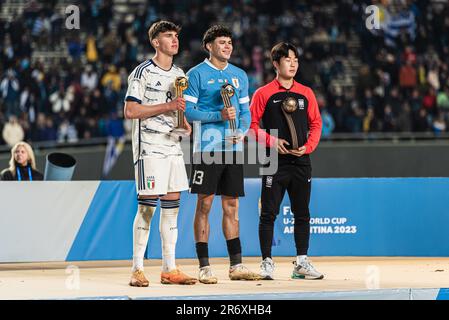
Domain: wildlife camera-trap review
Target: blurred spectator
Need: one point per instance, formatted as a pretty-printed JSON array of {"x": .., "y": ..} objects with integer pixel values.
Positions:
[
  {"x": 9, "y": 87},
  {"x": 115, "y": 127},
  {"x": 407, "y": 76},
  {"x": 75, "y": 48},
  {"x": 422, "y": 121},
  {"x": 389, "y": 119},
  {"x": 12, "y": 131},
  {"x": 61, "y": 99},
  {"x": 369, "y": 121},
  {"x": 429, "y": 100},
  {"x": 415, "y": 101},
  {"x": 22, "y": 165},
  {"x": 112, "y": 79},
  {"x": 110, "y": 47},
  {"x": 433, "y": 78},
  {"x": 443, "y": 99},
  {"x": 328, "y": 123},
  {"x": 67, "y": 132},
  {"x": 50, "y": 130},
  {"x": 439, "y": 124},
  {"x": 91, "y": 49},
  {"x": 404, "y": 119},
  {"x": 89, "y": 78}
]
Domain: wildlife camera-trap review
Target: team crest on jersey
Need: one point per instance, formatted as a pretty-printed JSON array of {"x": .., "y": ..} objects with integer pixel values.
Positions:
[
  {"x": 301, "y": 104},
  {"x": 150, "y": 182},
  {"x": 269, "y": 181},
  {"x": 235, "y": 82}
]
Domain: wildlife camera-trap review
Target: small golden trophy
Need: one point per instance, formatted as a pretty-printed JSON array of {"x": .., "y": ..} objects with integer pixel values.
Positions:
[
  {"x": 227, "y": 92},
  {"x": 181, "y": 84}
]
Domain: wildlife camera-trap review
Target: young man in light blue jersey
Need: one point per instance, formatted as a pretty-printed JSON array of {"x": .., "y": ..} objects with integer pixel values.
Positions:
[{"x": 217, "y": 147}]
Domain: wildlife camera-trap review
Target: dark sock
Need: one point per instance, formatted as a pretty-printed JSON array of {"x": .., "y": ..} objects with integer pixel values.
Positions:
[
  {"x": 202, "y": 251},
  {"x": 266, "y": 230},
  {"x": 235, "y": 251}
]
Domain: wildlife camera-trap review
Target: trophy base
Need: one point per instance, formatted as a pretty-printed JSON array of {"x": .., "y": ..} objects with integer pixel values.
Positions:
[
  {"x": 178, "y": 133},
  {"x": 234, "y": 138}
]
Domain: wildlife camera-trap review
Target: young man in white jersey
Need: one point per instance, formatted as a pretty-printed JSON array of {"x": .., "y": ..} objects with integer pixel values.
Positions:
[{"x": 158, "y": 159}]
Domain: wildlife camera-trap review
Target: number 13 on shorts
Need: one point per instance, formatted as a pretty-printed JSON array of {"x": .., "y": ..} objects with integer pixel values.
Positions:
[{"x": 198, "y": 177}]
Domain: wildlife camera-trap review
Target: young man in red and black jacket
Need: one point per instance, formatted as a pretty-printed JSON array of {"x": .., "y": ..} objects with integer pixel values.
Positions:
[{"x": 270, "y": 104}]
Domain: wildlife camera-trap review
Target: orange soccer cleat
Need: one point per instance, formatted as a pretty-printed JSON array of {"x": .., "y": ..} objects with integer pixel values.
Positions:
[{"x": 176, "y": 277}]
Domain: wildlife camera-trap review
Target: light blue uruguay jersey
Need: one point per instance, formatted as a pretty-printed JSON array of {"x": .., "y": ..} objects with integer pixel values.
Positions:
[{"x": 204, "y": 104}]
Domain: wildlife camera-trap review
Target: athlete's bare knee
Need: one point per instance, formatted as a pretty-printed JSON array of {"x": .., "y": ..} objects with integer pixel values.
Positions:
[
  {"x": 230, "y": 206},
  {"x": 147, "y": 197},
  {"x": 171, "y": 196},
  {"x": 204, "y": 205}
]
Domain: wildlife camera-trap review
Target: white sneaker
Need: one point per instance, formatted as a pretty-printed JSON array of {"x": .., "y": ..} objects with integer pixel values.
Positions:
[
  {"x": 305, "y": 270},
  {"x": 206, "y": 276},
  {"x": 267, "y": 269}
]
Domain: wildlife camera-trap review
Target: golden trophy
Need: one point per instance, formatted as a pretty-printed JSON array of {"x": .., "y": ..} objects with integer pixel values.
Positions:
[
  {"x": 181, "y": 84},
  {"x": 227, "y": 92},
  {"x": 179, "y": 131},
  {"x": 289, "y": 105}
]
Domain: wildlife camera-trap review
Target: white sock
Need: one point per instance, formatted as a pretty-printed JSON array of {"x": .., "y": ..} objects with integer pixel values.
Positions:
[
  {"x": 141, "y": 231},
  {"x": 168, "y": 228},
  {"x": 300, "y": 259}
]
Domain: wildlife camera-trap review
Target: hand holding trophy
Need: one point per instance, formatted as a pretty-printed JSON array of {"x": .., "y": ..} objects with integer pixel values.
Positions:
[
  {"x": 181, "y": 84},
  {"x": 180, "y": 130},
  {"x": 227, "y": 92},
  {"x": 289, "y": 105}
]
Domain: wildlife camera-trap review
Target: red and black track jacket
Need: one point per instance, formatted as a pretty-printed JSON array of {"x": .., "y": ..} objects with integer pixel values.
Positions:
[{"x": 266, "y": 105}]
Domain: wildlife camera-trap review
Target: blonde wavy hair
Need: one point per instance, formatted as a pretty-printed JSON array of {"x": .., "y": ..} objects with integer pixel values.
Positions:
[{"x": 31, "y": 158}]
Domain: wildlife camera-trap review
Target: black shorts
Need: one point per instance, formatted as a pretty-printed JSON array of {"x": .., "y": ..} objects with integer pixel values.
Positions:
[
  {"x": 297, "y": 180},
  {"x": 219, "y": 179}
]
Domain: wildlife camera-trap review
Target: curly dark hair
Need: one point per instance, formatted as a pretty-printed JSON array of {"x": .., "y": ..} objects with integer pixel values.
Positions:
[{"x": 215, "y": 32}]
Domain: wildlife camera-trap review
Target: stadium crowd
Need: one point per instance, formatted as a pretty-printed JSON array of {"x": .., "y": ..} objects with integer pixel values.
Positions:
[{"x": 402, "y": 84}]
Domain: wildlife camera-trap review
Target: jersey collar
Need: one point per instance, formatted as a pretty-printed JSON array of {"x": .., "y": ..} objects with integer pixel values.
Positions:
[
  {"x": 171, "y": 67},
  {"x": 214, "y": 67},
  {"x": 280, "y": 86}
]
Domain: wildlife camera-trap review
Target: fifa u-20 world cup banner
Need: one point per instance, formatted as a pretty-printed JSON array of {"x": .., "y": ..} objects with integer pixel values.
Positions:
[{"x": 349, "y": 217}]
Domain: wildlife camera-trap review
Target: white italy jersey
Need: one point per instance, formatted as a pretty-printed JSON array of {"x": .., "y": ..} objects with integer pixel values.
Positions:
[{"x": 148, "y": 84}]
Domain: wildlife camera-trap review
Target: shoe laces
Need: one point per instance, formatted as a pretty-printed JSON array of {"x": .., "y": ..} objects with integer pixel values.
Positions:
[
  {"x": 240, "y": 267},
  {"x": 267, "y": 265},
  {"x": 139, "y": 273},
  {"x": 206, "y": 271},
  {"x": 305, "y": 264}
]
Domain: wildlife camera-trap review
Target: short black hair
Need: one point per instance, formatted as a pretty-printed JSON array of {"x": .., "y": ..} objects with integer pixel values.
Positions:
[
  {"x": 162, "y": 26},
  {"x": 215, "y": 32},
  {"x": 281, "y": 50}
]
